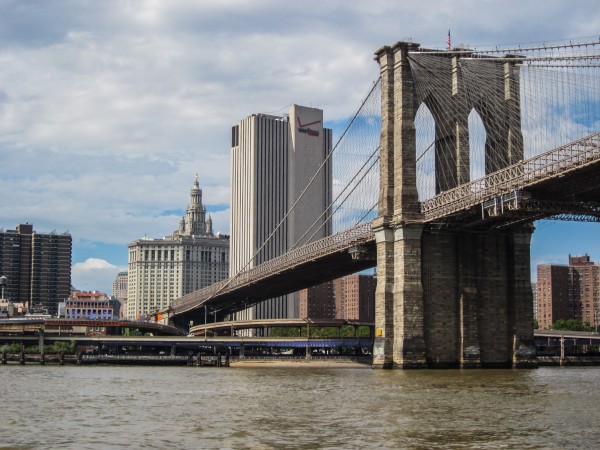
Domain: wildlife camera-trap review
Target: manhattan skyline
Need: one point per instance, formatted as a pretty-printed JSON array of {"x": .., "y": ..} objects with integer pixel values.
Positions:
[{"x": 108, "y": 109}]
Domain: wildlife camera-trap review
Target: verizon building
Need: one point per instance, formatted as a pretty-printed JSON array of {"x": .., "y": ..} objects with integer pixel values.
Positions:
[{"x": 273, "y": 160}]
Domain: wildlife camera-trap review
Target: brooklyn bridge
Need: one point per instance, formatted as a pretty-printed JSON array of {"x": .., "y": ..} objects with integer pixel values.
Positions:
[{"x": 446, "y": 165}]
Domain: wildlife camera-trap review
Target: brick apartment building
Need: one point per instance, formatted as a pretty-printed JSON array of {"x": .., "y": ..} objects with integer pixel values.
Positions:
[
  {"x": 351, "y": 298},
  {"x": 568, "y": 292}
]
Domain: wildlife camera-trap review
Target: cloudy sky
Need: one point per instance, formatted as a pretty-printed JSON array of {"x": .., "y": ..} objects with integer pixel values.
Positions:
[{"x": 108, "y": 108}]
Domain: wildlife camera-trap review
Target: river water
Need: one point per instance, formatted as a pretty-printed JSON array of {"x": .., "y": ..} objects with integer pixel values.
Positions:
[{"x": 104, "y": 407}]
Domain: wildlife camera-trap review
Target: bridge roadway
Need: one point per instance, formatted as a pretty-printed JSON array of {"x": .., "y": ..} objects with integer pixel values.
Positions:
[
  {"x": 564, "y": 181},
  {"x": 344, "y": 253}
]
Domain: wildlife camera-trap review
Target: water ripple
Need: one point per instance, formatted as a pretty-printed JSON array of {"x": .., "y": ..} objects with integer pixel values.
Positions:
[{"x": 281, "y": 408}]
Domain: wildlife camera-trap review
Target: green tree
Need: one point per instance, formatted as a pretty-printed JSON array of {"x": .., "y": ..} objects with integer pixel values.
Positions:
[
  {"x": 284, "y": 332},
  {"x": 134, "y": 332},
  {"x": 60, "y": 347},
  {"x": 569, "y": 325},
  {"x": 11, "y": 348}
]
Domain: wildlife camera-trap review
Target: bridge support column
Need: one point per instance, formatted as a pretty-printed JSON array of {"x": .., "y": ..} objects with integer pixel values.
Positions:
[
  {"x": 469, "y": 299},
  {"x": 478, "y": 302},
  {"x": 470, "y": 352},
  {"x": 409, "y": 342},
  {"x": 384, "y": 294},
  {"x": 41, "y": 339},
  {"x": 399, "y": 335},
  {"x": 308, "y": 351},
  {"x": 524, "y": 350}
]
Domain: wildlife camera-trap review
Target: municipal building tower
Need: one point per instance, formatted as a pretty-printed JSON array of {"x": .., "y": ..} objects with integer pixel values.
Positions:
[{"x": 191, "y": 258}]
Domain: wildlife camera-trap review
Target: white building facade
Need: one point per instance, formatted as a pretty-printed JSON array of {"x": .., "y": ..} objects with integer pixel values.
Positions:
[
  {"x": 161, "y": 270},
  {"x": 273, "y": 161}
]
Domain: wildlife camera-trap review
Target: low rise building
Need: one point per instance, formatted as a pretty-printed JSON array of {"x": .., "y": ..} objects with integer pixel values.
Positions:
[
  {"x": 87, "y": 305},
  {"x": 10, "y": 309}
]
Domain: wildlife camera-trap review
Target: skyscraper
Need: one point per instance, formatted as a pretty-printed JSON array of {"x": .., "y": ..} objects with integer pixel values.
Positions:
[
  {"x": 273, "y": 161},
  {"x": 37, "y": 267},
  {"x": 191, "y": 258}
]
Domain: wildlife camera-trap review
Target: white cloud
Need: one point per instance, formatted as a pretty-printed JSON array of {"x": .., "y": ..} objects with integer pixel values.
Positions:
[
  {"x": 92, "y": 264},
  {"x": 94, "y": 275}
]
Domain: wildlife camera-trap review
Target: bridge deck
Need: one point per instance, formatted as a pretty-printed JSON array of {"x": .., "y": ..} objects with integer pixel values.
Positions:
[
  {"x": 321, "y": 261},
  {"x": 569, "y": 174},
  {"x": 570, "y": 171}
]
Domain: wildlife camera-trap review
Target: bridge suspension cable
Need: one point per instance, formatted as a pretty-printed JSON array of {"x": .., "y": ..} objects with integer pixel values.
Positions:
[
  {"x": 355, "y": 160},
  {"x": 556, "y": 91},
  {"x": 343, "y": 197},
  {"x": 561, "y": 46},
  {"x": 500, "y": 116}
]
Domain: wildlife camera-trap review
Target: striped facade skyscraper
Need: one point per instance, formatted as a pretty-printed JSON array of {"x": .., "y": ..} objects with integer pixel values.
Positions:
[{"x": 273, "y": 160}]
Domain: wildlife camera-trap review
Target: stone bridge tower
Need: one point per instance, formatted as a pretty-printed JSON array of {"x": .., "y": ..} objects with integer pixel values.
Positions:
[{"x": 447, "y": 298}]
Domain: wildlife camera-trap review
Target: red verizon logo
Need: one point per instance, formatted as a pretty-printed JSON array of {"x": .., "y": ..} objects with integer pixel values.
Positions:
[{"x": 304, "y": 127}]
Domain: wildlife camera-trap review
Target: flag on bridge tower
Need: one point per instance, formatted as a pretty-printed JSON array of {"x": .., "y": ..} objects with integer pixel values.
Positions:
[{"x": 448, "y": 41}]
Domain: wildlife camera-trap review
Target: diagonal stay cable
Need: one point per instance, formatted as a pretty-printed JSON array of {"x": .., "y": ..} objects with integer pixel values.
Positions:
[{"x": 375, "y": 161}]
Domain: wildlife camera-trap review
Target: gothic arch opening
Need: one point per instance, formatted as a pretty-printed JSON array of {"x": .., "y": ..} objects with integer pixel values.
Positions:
[
  {"x": 425, "y": 143},
  {"x": 477, "y": 138}
]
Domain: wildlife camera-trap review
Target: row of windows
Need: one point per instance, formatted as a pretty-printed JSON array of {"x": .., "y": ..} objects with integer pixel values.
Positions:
[
  {"x": 155, "y": 255},
  {"x": 88, "y": 311}
]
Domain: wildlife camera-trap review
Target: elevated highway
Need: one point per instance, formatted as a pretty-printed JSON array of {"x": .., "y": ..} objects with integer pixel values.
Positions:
[
  {"x": 19, "y": 326},
  {"x": 232, "y": 327}
]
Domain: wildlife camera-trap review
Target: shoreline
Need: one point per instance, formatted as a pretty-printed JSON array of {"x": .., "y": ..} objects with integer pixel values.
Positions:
[
  {"x": 223, "y": 361},
  {"x": 169, "y": 360},
  {"x": 300, "y": 363}
]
